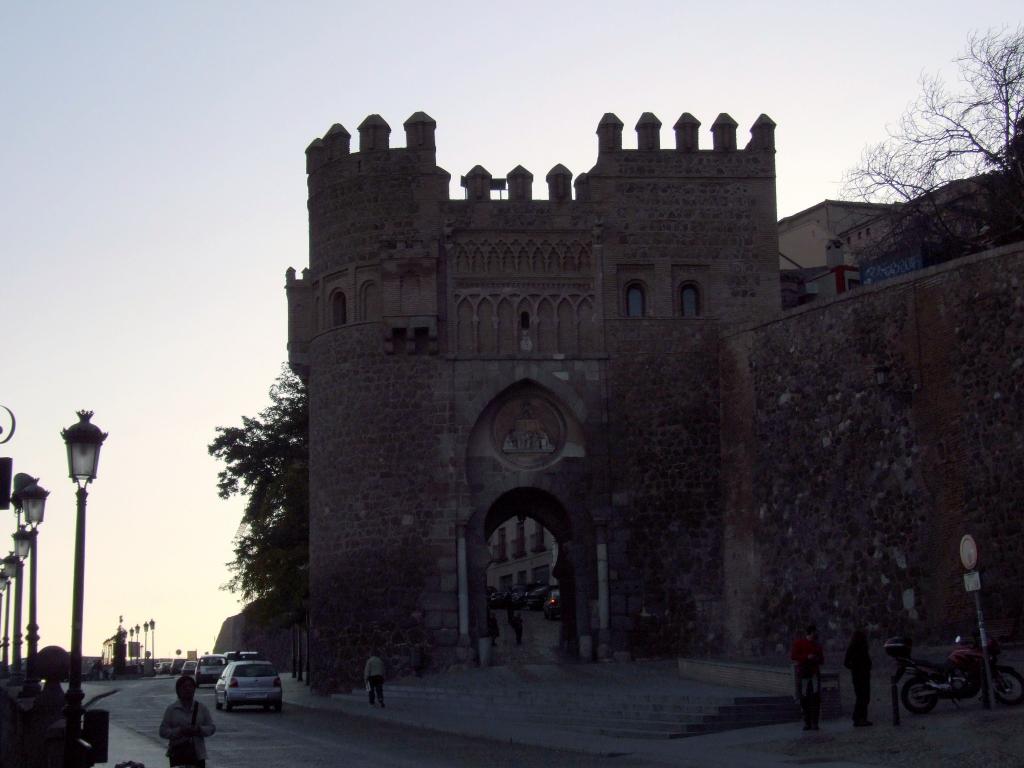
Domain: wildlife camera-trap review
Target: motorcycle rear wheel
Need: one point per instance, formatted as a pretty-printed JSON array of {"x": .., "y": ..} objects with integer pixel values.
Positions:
[
  {"x": 1008, "y": 686},
  {"x": 918, "y": 697}
]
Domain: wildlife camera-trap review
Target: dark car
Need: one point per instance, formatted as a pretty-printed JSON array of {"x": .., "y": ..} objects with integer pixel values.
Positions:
[
  {"x": 515, "y": 597},
  {"x": 176, "y": 666},
  {"x": 536, "y": 597},
  {"x": 244, "y": 656},
  {"x": 553, "y": 605}
]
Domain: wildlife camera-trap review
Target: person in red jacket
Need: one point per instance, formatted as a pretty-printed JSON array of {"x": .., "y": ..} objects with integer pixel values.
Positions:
[{"x": 808, "y": 656}]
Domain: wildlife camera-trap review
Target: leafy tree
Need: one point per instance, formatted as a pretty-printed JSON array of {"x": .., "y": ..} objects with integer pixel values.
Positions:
[
  {"x": 955, "y": 160},
  {"x": 266, "y": 459}
]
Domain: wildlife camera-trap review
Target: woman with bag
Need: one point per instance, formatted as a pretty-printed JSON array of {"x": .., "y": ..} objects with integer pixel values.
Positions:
[{"x": 186, "y": 723}]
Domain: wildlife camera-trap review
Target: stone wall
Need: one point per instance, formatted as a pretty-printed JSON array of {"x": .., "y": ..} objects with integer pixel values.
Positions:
[
  {"x": 379, "y": 502},
  {"x": 665, "y": 532},
  {"x": 861, "y": 438}
]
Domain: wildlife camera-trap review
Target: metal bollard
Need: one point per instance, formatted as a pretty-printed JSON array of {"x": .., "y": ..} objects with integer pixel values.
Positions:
[{"x": 96, "y": 731}]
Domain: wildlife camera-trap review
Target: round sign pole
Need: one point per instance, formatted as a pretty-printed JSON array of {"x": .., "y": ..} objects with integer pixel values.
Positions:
[{"x": 969, "y": 560}]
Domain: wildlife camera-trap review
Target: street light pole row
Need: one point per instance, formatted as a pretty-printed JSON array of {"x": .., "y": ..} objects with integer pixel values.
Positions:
[{"x": 83, "y": 441}]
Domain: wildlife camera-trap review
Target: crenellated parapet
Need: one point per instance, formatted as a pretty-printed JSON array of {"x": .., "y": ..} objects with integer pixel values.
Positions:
[{"x": 687, "y": 134}]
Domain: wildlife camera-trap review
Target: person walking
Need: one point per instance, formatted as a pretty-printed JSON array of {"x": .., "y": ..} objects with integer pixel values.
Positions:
[
  {"x": 808, "y": 656},
  {"x": 517, "y": 626},
  {"x": 373, "y": 676},
  {"x": 186, "y": 725},
  {"x": 492, "y": 628},
  {"x": 858, "y": 661}
]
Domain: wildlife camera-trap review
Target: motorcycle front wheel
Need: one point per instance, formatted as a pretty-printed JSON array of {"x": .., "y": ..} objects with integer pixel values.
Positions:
[
  {"x": 1008, "y": 685},
  {"x": 918, "y": 697}
]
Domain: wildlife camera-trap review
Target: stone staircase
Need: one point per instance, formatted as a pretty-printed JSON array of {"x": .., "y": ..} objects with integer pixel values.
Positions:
[{"x": 641, "y": 714}]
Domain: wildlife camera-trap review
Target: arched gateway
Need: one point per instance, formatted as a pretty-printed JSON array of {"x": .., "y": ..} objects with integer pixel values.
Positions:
[{"x": 526, "y": 459}]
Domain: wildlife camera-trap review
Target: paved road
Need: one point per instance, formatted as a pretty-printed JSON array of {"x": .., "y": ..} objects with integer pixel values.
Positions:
[{"x": 299, "y": 737}]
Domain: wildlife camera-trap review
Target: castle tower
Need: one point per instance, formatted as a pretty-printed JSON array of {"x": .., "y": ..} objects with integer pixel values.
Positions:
[{"x": 477, "y": 361}]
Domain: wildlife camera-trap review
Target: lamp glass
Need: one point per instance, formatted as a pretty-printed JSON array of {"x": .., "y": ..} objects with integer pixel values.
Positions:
[
  {"x": 83, "y": 461},
  {"x": 22, "y": 543},
  {"x": 34, "y": 509}
]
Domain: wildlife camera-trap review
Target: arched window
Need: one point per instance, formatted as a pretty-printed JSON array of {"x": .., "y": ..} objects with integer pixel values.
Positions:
[
  {"x": 370, "y": 310},
  {"x": 689, "y": 300},
  {"x": 524, "y": 321},
  {"x": 339, "y": 310},
  {"x": 635, "y": 301}
]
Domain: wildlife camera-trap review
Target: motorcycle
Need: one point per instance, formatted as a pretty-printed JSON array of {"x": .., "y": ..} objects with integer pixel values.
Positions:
[{"x": 961, "y": 676}]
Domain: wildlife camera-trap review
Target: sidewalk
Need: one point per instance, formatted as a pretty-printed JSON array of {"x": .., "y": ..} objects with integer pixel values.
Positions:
[
  {"x": 125, "y": 744},
  {"x": 731, "y": 749},
  {"x": 963, "y": 738}
]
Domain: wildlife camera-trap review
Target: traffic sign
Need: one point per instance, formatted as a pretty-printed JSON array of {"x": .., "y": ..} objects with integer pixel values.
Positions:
[
  {"x": 968, "y": 552},
  {"x": 972, "y": 581}
]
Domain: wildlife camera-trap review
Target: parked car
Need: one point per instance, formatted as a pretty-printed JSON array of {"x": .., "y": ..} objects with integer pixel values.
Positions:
[
  {"x": 176, "y": 666},
  {"x": 553, "y": 605},
  {"x": 248, "y": 683},
  {"x": 243, "y": 656},
  {"x": 189, "y": 668},
  {"x": 516, "y": 596},
  {"x": 536, "y": 597},
  {"x": 210, "y": 668}
]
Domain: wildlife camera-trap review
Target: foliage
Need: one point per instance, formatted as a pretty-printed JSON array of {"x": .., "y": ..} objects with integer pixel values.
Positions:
[
  {"x": 956, "y": 157},
  {"x": 266, "y": 460}
]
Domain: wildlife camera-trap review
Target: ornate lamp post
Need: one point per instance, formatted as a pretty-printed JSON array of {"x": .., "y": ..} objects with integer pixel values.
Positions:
[
  {"x": 5, "y": 581},
  {"x": 152, "y": 626},
  {"x": 31, "y": 500},
  {"x": 138, "y": 634},
  {"x": 22, "y": 546},
  {"x": 83, "y": 442}
]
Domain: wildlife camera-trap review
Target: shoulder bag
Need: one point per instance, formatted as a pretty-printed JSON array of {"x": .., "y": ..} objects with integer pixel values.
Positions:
[{"x": 184, "y": 753}]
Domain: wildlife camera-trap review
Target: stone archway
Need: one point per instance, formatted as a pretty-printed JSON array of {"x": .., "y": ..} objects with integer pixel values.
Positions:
[
  {"x": 526, "y": 457},
  {"x": 569, "y": 568}
]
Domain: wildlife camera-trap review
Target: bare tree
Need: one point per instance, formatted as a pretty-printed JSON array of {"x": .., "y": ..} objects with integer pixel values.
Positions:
[{"x": 956, "y": 157}]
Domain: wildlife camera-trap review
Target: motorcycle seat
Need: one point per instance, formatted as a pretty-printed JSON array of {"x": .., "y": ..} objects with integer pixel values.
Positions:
[{"x": 942, "y": 665}]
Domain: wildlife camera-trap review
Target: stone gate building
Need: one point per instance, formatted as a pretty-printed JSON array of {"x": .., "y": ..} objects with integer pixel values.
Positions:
[{"x": 595, "y": 361}]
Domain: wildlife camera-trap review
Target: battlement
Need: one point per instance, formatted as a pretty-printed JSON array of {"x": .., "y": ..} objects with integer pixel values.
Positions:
[{"x": 420, "y": 130}]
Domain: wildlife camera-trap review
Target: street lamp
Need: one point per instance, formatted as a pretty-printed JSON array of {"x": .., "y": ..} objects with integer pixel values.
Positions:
[
  {"x": 31, "y": 501},
  {"x": 131, "y": 637},
  {"x": 22, "y": 546},
  {"x": 5, "y": 580},
  {"x": 138, "y": 634},
  {"x": 83, "y": 441},
  {"x": 152, "y": 627}
]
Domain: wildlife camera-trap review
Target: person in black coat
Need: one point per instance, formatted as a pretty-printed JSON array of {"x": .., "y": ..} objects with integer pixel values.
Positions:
[{"x": 858, "y": 661}]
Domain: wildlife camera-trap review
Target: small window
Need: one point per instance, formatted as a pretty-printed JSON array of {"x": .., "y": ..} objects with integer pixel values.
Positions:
[
  {"x": 524, "y": 321},
  {"x": 635, "y": 301},
  {"x": 689, "y": 301},
  {"x": 339, "y": 310}
]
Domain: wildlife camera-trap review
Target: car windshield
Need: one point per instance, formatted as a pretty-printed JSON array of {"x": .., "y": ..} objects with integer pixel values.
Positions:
[
  {"x": 212, "y": 661},
  {"x": 255, "y": 670}
]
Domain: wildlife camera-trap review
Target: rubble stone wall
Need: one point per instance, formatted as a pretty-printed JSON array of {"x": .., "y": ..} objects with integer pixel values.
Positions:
[{"x": 862, "y": 437}]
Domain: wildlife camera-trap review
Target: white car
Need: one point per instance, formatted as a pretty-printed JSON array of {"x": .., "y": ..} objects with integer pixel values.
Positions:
[{"x": 248, "y": 684}]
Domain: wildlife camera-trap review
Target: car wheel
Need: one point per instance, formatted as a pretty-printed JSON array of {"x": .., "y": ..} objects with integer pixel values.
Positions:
[
  {"x": 278, "y": 706},
  {"x": 217, "y": 704},
  {"x": 228, "y": 706}
]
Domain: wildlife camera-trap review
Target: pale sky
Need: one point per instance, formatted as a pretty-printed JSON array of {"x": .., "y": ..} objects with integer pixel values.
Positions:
[{"x": 152, "y": 194}]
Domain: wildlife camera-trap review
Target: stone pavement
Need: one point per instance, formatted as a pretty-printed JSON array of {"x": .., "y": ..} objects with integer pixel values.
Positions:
[
  {"x": 732, "y": 749},
  {"x": 963, "y": 738}
]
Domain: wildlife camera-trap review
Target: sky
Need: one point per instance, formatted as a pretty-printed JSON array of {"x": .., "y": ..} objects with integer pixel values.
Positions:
[{"x": 152, "y": 194}]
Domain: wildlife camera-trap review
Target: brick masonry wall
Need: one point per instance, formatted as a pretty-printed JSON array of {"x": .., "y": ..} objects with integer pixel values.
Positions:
[{"x": 861, "y": 438}]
